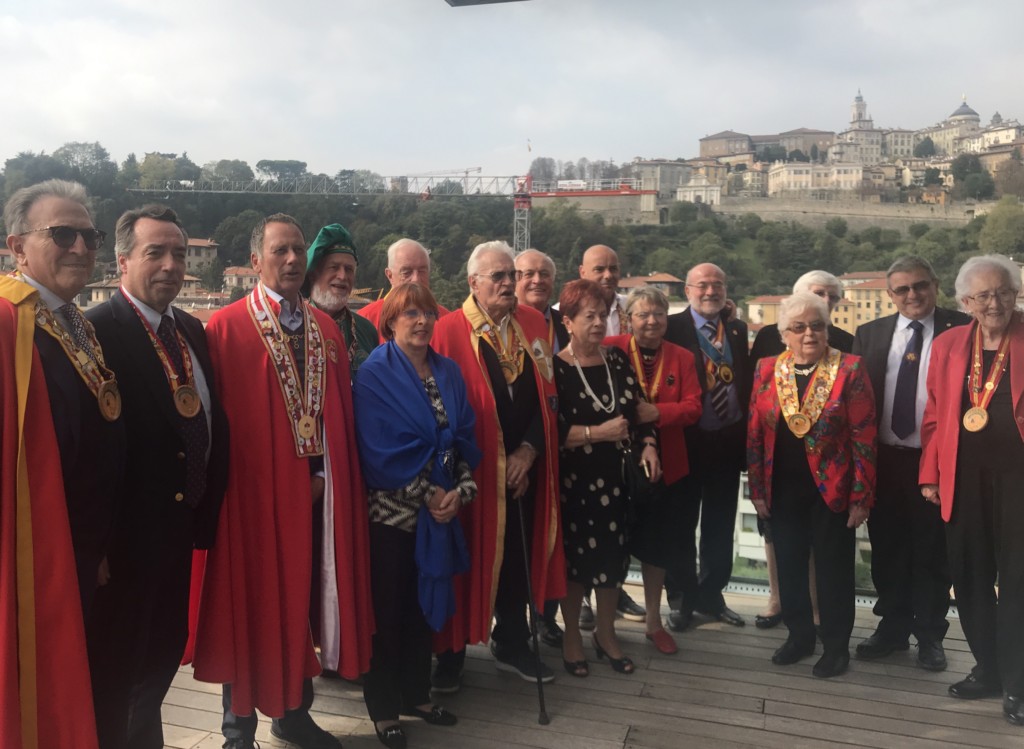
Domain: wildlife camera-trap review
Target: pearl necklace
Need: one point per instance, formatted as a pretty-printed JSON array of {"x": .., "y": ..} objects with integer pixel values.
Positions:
[
  {"x": 586, "y": 385},
  {"x": 806, "y": 370}
]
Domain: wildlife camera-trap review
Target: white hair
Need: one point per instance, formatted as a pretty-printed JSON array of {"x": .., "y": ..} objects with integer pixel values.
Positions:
[
  {"x": 543, "y": 255},
  {"x": 817, "y": 278},
  {"x": 979, "y": 263},
  {"x": 496, "y": 246},
  {"x": 393, "y": 251},
  {"x": 797, "y": 304}
]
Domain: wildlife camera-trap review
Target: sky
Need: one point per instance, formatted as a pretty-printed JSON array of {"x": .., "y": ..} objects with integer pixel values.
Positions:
[{"x": 416, "y": 86}]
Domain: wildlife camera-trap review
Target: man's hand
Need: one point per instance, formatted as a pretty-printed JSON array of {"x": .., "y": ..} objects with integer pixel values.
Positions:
[
  {"x": 316, "y": 486},
  {"x": 858, "y": 514},
  {"x": 930, "y": 492},
  {"x": 517, "y": 469}
]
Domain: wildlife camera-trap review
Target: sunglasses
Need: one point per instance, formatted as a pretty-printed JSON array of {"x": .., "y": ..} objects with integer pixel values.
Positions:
[
  {"x": 499, "y": 275},
  {"x": 919, "y": 287},
  {"x": 801, "y": 327},
  {"x": 66, "y": 236}
]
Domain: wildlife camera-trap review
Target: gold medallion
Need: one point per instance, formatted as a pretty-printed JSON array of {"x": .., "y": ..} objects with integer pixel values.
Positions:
[
  {"x": 306, "y": 427},
  {"x": 975, "y": 419},
  {"x": 799, "y": 424},
  {"x": 725, "y": 373},
  {"x": 109, "y": 399},
  {"x": 186, "y": 401},
  {"x": 990, "y": 385}
]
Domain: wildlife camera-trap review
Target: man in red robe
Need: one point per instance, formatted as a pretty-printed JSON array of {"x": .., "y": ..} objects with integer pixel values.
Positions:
[
  {"x": 283, "y": 378},
  {"x": 503, "y": 351},
  {"x": 45, "y": 698},
  {"x": 408, "y": 262}
]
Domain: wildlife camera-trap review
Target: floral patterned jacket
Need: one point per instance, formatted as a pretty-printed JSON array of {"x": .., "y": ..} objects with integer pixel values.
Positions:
[{"x": 840, "y": 446}]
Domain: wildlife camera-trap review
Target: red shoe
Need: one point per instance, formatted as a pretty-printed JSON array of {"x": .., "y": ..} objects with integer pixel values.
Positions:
[{"x": 663, "y": 642}]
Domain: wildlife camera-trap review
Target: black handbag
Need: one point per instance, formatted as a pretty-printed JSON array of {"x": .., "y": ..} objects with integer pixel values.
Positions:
[{"x": 637, "y": 483}]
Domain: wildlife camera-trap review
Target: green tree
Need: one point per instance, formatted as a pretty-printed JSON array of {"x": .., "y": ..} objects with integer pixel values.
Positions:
[
  {"x": 156, "y": 170},
  {"x": 837, "y": 227},
  {"x": 1010, "y": 178},
  {"x": 932, "y": 176},
  {"x": 279, "y": 170},
  {"x": 797, "y": 155},
  {"x": 772, "y": 153},
  {"x": 979, "y": 185},
  {"x": 1004, "y": 228},
  {"x": 28, "y": 168},
  {"x": 233, "y": 235},
  {"x": 90, "y": 164},
  {"x": 925, "y": 148},
  {"x": 129, "y": 174},
  {"x": 815, "y": 153},
  {"x": 228, "y": 170},
  {"x": 543, "y": 168},
  {"x": 965, "y": 164},
  {"x": 918, "y": 230}
]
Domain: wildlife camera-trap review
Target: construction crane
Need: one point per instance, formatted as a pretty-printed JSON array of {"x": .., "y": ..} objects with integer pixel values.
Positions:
[
  {"x": 442, "y": 172},
  {"x": 522, "y": 204}
]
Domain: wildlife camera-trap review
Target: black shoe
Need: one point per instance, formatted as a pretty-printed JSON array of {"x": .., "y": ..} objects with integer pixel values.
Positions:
[
  {"x": 445, "y": 679},
  {"x": 240, "y": 744},
  {"x": 587, "y": 615},
  {"x": 832, "y": 664},
  {"x": 791, "y": 652},
  {"x": 767, "y": 622},
  {"x": 523, "y": 663},
  {"x": 304, "y": 733},
  {"x": 550, "y": 633},
  {"x": 679, "y": 620},
  {"x": 392, "y": 737},
  {"x": 931, "y": 656},
  {"x": 973, "y": 688},
  {"x": 435, "y": 716},
  {"x": 630, "y": 609},
  {"x": 1013, "y": 709},
  {"x": 726, "y": 615},
  {"x": 878, "y": 646},
  {"x": 623, "y": 665}
]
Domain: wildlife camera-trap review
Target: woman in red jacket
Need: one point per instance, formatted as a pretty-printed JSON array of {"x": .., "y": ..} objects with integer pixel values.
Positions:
[
  {"x": 972, "y": 465},
  {"x": 669, "y": 381},
  {"x": 811, "y": 468}
]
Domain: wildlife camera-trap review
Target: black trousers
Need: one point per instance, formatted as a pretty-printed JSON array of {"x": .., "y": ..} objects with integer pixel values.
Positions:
[
  {"x": 709, "y": 495},
  {"x": 244, "y": 726},
  {"x": 511, "y": 627},
  {"x": 985, "y": 548},
  {"x": 137, "y": 631},
  {"x": 908, "y": 552},
  {"x": 800, "y": 523},
  {"x": 399, "y": 675}
]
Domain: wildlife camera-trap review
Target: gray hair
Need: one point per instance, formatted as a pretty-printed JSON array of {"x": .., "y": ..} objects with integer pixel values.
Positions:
[
  {"x": 797, "y": 304},
  {"x": 258, "y": 231},
  {"x": 496, "y": 246},
  {"x": 393, "y": 251},
  {"x": 650, "y": 294},
  {"x": 543, "y": 255},
  {"x": 21, "y": 202},
  {"x": 911, "y": 263},
  {"x": 980, "y": 263},
  {"x": 817, "y": 278},
  {"x": 124, "y": 233}
]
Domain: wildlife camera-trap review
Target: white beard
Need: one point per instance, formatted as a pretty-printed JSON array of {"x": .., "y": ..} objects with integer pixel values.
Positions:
[{"x": 328, "y": 299}]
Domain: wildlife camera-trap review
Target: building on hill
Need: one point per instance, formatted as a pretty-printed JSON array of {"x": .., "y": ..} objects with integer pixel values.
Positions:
[
  {"x": 948, "y": 134},
  {"x": 240, "y": 277},
  {"x": 849, "y": 280},
  {"x": 699, "y": 189},
  {"x": 807, "y": 140},
  {"x": 764, "y": 310},
  {"x": 725, "y": 143},
  {"x": 870, "y": 300},
  {"x": 665, "y": 282},
  {"x": 200, "y": 253},
  {"x": 817, "y": 181},
  {"x": 662, "y": 175}
]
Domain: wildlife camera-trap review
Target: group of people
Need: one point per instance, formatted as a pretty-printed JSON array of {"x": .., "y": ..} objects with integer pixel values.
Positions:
[{"x": 401, "y": 481}]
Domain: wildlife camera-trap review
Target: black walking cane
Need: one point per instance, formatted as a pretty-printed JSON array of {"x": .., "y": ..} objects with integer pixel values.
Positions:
[{"x": 542, "y": 717}]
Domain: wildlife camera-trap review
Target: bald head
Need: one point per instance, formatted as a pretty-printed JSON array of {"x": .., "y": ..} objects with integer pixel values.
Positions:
[
  {"x": 408, "y": 262},
  {"x": 601, "y": 265},
  {"x": 705, "y": 289}
]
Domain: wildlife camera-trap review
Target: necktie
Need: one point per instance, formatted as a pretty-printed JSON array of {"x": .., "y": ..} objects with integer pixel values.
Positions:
[
  {"x": 78, "y": 331},
  {"x": 904, "y": 403},
  {"x": 193, "y": 430},
  {"x": 720, "y": 392}
]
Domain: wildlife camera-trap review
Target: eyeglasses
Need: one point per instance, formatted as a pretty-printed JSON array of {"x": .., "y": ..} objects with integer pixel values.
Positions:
[
  {"x": 713, "y": 286},
  {"x": 653, "y": 315},
  {"x": 801, "y": 327},
  {"x": 919, "y": 287},
  {"x": 1006, "y": 296},
  {"x": 499, "y": 275},
  {"x": 66, "y": 236},
  {"x": 529, "y": 275},
  {"x": 412, "y": 314}
]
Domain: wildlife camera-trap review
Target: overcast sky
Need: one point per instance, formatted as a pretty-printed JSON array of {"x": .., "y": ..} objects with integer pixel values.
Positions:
[{"x": 412, "y": 86}]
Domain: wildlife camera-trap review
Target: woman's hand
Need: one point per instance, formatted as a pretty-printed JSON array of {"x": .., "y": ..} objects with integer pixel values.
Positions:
[
  {"x": 647, "y": 413},
  {"x": 444, "y": 506},
  {"x": 615, "y": 429},
  {"x": 930, "y": 492},
  {"x": 858, "y": 514},
  {"x": 649, "y": 457},
  {"x": 761, "y": 507}
]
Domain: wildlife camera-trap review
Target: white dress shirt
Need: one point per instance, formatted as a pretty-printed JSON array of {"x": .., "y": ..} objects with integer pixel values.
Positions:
[{"x": 900, "y": 338}]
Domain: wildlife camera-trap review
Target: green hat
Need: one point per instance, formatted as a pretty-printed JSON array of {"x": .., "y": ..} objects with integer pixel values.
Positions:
[{"x": 331, "y": 239}]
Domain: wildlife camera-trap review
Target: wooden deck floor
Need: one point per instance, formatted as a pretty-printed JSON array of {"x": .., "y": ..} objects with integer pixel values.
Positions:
[{"x": 720, "y": 690}]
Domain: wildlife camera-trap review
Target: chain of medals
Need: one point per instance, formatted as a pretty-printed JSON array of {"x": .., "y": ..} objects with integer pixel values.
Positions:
[
  {"x": 90, "y": 365},
  {"x": 716, "y": 368},
  {"x": 511, "y": 358},
  {"x": 304, "y": 408},
  {"x": 800, "y": 417},
  {"x": 186, "y": 397},
  {"x": 981, "y": 391},
  {"x": 648, "y": 372},
  {"x": 586, "y": 385}
]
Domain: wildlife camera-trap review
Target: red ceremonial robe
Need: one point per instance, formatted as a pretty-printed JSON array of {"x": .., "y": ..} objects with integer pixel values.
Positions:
[
  {"x": 483, "y": 521},
  {"x": 372, "y": 313},
  {"x": 45, "y": 695},
  {"x": 253, "y": 629}
]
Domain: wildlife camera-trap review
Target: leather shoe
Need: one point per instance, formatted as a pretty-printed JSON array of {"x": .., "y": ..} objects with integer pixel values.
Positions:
[
  {"x": 729, "y": 616},
  {"x": 931, "y": 656},
  {"x": 550, "y": 633},
  {"x": 791, "y": 652},
  {"x": 832, "y": 664},
  {"x": 878, "y": 646},
  {"x": 679, "y": 620},
  {"x": 1013, "y": 709},
  {"x": 393, "y": 737},
  {"x": 767, "y": 622},
  {"x": 973, "y": 688},
  {"x": 304, "y": 733},
  {"x": 630, "y": 609},
  {"x": 239, "y": 744}
]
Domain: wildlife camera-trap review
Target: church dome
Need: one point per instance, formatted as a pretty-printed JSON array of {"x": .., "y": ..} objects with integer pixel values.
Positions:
[{"x": 964, "y": 112}]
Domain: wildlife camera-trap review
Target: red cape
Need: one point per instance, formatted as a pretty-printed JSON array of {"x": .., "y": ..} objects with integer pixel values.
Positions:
[
  {"x": 372, "y": 313},
  {"x": 45, "y": 695},
  {"x": 253, "y": 628},
  {"x": 484, "y": 519}
]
